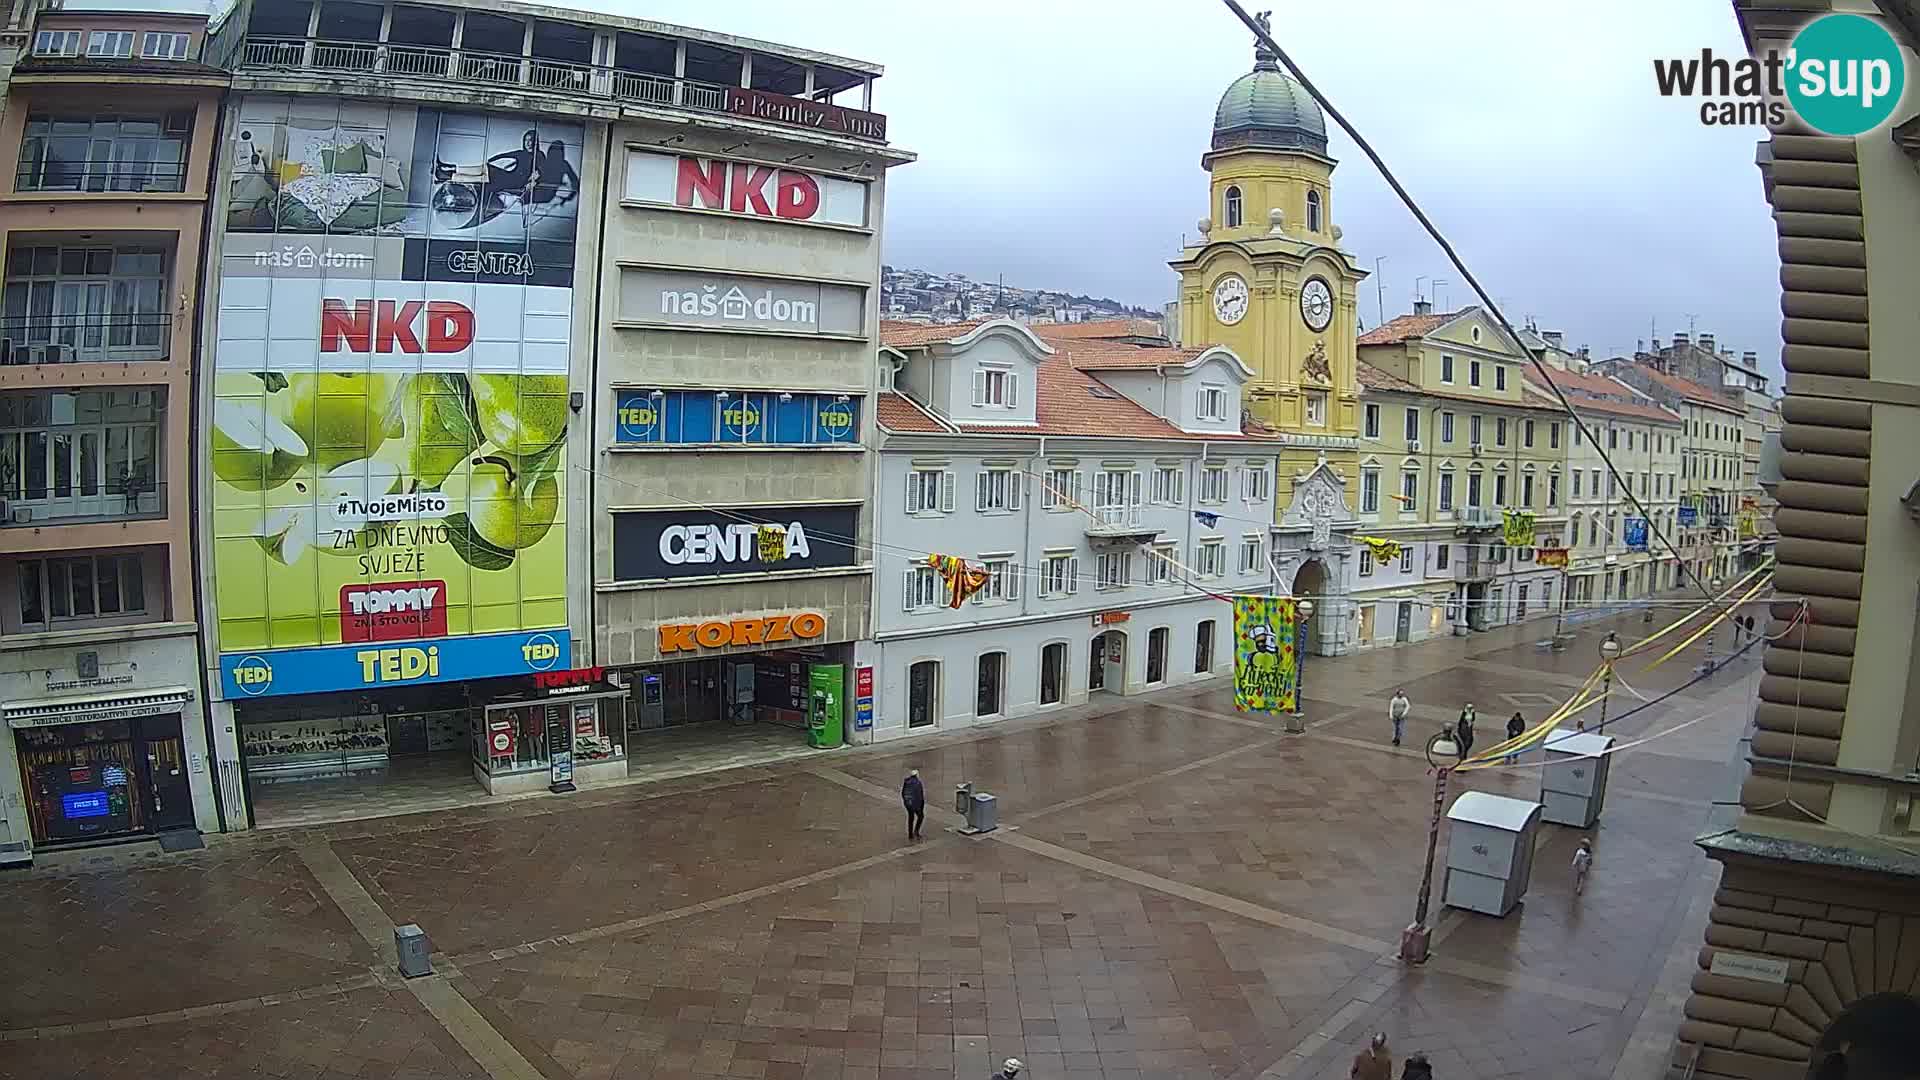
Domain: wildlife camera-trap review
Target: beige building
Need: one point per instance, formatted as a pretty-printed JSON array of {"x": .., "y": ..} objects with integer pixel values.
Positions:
[{"x": 1818, "y": 915}]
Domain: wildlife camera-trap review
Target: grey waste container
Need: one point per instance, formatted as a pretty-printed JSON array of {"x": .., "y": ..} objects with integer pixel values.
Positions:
[
  {"x": 985, "y": 815},
  {"x": 963, "y": 799},
  {"x": 410, "y": 942}
]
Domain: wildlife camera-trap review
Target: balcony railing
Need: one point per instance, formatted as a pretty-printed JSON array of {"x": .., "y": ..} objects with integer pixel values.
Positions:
[
  {"x": 79, "y": 501},
  {"x": 557, "y": 76},
  {"x": 116, "y": 177},
  {"x": 85, "y": 338}
]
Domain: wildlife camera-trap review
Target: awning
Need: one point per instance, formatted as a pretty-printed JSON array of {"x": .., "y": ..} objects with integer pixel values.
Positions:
[{"x": 93, "y": 708}]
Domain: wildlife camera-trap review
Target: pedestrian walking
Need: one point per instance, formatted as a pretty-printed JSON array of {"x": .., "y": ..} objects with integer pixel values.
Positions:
[
  {"x": 1416, "y": 1068},
  {"x": 1582, "y": 865},
  {"x": 913, "y": 795},
  {"x": 1516, "y": 727},
  {"x": 1463, "y": 731},
  {"x": 1009, "y": 1069},
  {"x": 1397, "y": 710},
  {"x": 1373, "y": 1063}
]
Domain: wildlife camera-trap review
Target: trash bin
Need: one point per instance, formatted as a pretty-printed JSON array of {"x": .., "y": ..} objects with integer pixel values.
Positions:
[
  {"x": 410, "y": 942},
  {"x": 985, "y": 816},
  {"x": 963, "y": 799}
]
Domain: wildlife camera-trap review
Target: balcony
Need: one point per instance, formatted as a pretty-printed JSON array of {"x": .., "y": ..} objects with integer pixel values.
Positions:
[
  {"x": 79, "y": 503},
  {"x": 1472, "y": 563},
  {"x": 1120, "y": 524},
  {"x": 444, "y": 64},
  {"x": 101, "y": 338},
  {"x": 1477, "y": 517}
]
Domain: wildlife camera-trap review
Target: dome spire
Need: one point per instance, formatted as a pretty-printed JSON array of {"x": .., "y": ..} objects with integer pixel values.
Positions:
[{"x": 1264, "y": 59}]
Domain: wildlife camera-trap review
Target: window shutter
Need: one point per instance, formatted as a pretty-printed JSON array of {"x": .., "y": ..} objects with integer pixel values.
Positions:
[
  {"x": 913, "y": 492},
  {"x": 1073, "y": 575},
  {"x": 979, "y": 386},
  {"x": 1079, "y": 488},
  {"x": 1016, "y": 487},
  {"x": 946, "y": 491},
  {"x": 980, "y": 489},
  {"x": 1013, "y": 389},
  {"x": 906, "y": 597},
  {"x": 1014, "y": 572}
]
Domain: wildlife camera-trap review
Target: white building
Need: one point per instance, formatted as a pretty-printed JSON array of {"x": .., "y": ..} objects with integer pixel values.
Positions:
[{"x": 1107, "y": 490}]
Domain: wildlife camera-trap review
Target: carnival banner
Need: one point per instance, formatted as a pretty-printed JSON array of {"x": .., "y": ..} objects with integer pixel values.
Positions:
[
  {"x": 1384, "y": 551},
  {"x": 1749, "y": 525},
  {"x": 1266, "y": 666},
  {"x": 1689, "y": 517},
  {"x": 1635, "y": 530},
  {"x": 1551, "y": 556},
  {"x": 1516, "y": 527}
]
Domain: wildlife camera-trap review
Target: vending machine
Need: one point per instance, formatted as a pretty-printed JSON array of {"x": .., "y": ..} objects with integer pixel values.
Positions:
[{"x": 826, "y": 704}]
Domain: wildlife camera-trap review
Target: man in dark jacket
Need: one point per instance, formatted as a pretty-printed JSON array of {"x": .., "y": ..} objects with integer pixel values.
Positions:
[
  {"x": 1463, "y": 731},
  {"x": 1516, "y": 727},
  {"x": 913, "y": 795}
]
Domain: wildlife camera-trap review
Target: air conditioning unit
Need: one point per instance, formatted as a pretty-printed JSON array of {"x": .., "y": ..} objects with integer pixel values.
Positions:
[
  {"x": 1413, "y": 446},
  {"x": 20, "y": 515},
  {"x": 60, "y": 353}
]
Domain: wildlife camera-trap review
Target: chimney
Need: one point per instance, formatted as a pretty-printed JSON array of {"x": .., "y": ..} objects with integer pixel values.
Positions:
[
  {"x": 1586, "y": 356},
  {"x": 1750, "y": 358},
  {"x": 1706, "y": 342},
  {"x": 1679, "y": 341},
  {"x": 1554, "y": 338},
  {"x": 1423, "y": 307}
]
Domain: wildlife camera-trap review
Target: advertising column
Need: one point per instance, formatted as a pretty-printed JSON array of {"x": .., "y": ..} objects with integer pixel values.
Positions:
[{"x": 388, "y": 444}]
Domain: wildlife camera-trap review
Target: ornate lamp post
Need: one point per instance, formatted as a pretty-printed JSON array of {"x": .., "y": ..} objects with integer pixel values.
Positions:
[
  {"x": 1609, "y": 652},
  {"x": 1297, "y": 720},
  {"x": 1443, "y": 754},
  {"x": 1706, "y": 668}
]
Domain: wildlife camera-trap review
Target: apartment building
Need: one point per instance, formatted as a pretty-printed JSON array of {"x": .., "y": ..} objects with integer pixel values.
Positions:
[
  {"x": 1712, "y": 464},
  {"x": 110, "y": 120},
  {"x": 1464, "y": 468},
  {"x": 1107, "y": 495}
]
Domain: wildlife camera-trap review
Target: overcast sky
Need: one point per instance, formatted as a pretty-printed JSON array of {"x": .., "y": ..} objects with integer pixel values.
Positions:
[{"x": 1059, "y": 143}]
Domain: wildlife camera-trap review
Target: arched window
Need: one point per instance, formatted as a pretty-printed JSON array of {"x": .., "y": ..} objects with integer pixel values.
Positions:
[
  {"x": 1233, "y": 208},
  {"x": 1313, "y": 211}
]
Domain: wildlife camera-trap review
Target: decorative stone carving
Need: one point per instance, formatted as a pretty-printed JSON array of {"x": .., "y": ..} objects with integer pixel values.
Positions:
[
  {"x": 1315, "y": 365},
  {"x": 1276, "y": 222},
  {"x": 1205, "y": 225},
  {"x": 1319, "y": 505}
]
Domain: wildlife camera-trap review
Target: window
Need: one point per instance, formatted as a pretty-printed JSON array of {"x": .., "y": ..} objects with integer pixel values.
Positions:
[
  {"x": 162, "y": 46},
  {"x": 1526, "y": 435},
  {"x": 1062, "y": 490},
  {"x": 1499, "y": 376},
  {"x": 923, "y": 591},
  {"x": 1499, "y": 431},
  {"x": 1369, "y": 491},
  {"x": 1116, "y": 496},
  {"x": 1473, "y": 373},
  {"x": 1446, "y": 427},
  {"x": 1170, "y": 485},
  {"x": 1526, "y": 489},
  {"x": 1366, "y": 561},
  {"x": 1203, "y": 648},
  {"x": 1413, "y": 425},
  {"x": 1372, "y": 420},
  {"x": 996, "y": 387},
  {"x": 1253, "y": 554},
  {"x": 1059, "y": 575},
  {"x": 1409, "y": 491},
  {"x": 1473, "y": 490},
  {"x": 81, "y": 587},
  {"x": 1613, "y": 485},
  {"x": 1578, "y": 438},
  {"x": 57, "y": 43},
  {"x": 929, "y": 491},
  {"x": 85, "y": 453},
  {"x": 1499, "y": 489},
  {"x": 1593, "y": 531},
  {"x": 1213, "y": 403},
  {"x": 997, "y": 489},
  {"x": 1233, "y": 212},
  {"x": 1213, "y": 484},
  {"x": 1446, "y": 491},
  {"x": 65, "y": 304},
  {"x": 1575, "y": 527},
  {"x": 1596, "y": 481},
  {"x": 1576, "y": 483},
  {"x": 1210, "y": 558},
  {"x": 1003, "y": 580},
  {"x": 1114, "y": 570},
  {"x": 1553, "y": 490},
  {"x": 1053, "y": 672},
  {"x": 1160, "y": 560},
  {"x": 1316, "y": 407},
  {"x": 1442, "y": 554},
  {"x": 1473, "y": 430},
  {"x": 1613, "y": 439},
  {"x": 1406, "y": 558},
  {"x": 1313, "y": 211},
  {"x": 109, "y": 44},
  {"x": 991, "y": 695},
  {"x": 1446, "y": 368},
  {"x": 1253, "y": 483}
]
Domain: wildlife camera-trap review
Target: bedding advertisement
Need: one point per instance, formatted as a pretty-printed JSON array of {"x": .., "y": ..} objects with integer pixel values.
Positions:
[{"x": 391, "y": 405}]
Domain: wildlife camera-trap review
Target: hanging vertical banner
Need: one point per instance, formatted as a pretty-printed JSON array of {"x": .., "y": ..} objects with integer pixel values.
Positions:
[
  {"x": 1635, "y": 529},
  {"x": 1689, "y": 517},
  {"x": 1516, "y": 527},
  {"x": 1265, "y": 664}
]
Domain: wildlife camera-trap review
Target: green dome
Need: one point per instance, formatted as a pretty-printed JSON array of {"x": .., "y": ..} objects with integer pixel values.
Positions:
[{"x": 1264, "y": 109}]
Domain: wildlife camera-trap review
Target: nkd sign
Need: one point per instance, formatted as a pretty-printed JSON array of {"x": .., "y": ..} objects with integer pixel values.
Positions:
[
  {"x": 747, "y": 188},
  {"x": 728, "y": 302}
]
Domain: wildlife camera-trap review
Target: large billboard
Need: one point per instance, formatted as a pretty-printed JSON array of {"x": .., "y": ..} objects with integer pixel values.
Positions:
[{"x": 391, "y": 395}]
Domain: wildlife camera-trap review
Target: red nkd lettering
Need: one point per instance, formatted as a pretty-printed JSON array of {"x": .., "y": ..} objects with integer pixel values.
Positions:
[
  {"x": 797, "y": 197},
  {"x": 705, "y": 181},
  {"x": 750, "y": 189},
  {"x": 388, "y": 326}
]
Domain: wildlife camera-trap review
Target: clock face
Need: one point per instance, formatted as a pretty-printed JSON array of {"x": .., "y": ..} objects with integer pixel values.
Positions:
[
  {"x": 1230, "y": 299},
  {"x": 1316, "y": 304}
]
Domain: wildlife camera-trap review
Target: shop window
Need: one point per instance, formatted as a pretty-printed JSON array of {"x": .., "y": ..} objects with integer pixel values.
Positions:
[
  {"x": 1053, "y": 672},
  {"x": 1203, "y": 648},
  {"x": 991, "y": 699},
  {"x": 1157, "y": 654}
]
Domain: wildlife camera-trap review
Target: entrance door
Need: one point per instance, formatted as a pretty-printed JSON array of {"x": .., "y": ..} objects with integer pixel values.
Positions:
[
  {"x": 1521, "y": 612},
  {"x": 1203, "y": 649},
  {"x": 1403, "y": 623},
  {"x": 923, "y": 685},
  {"x": 1310, "y": 583},
  {"x": 166, "y": 779},
  {"x": 1053, "y": 673},
  {"x": 1097, "y": 663},
  {"x": 1366, "y": 624},
  {"x": 1157, "y": 654}
]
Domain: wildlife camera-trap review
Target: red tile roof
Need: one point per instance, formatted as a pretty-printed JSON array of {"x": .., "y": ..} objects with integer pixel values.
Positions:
[
  {"x": 1071, "y": 402},
  {"x": 906, "y": 335},
  {"x": 1114, "y": 355},
  {"x": 1582, "y": 383},
  {"x": 1687, "y": 388},
  {"x": 1101, "y": 328},
  {"x": 1402, "y": 327},
  {"x": 897, "y": 412},
  {"x": 1375, "y": 379}
]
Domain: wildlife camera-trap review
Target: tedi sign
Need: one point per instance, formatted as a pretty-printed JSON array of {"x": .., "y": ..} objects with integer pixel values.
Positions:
[
  {"x": 1844, "y": 75},
  {"x": 747, "y": 188}
]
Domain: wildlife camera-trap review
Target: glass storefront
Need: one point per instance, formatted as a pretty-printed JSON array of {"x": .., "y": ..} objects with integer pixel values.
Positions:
[
  {"x": 86, "y": 781},
  {"x": 764, "y": 688}
]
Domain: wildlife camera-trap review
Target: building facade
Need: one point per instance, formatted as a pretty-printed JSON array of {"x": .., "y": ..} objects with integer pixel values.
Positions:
[
  {"x": 1454, "y": 450},
  {"x": 1811, "y": 932},
  {"x": 492, "y": 288},
  {"x": 111, "y": 119},
  {"x": 1107, "y": 492}
]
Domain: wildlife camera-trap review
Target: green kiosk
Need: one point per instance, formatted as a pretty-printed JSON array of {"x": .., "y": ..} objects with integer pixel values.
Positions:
[{"x": 827, "y": 689}]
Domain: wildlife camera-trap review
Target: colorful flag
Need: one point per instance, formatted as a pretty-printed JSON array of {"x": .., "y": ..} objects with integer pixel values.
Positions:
[
  {"x": 1689, "y": 517},
  {"x": 772, "y": 543},
  {"x": 1516, "y": 527},
  {"x": 1265, "y": 662},
  {"x": 1384, "y": 551},
  {"x": 1205, "y": 518},
  {"x": 962, "y": 580},
  {"x": 1551, "y": 556}
]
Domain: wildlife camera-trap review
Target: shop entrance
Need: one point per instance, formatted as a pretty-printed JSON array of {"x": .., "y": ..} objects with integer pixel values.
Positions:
[
  {"x": 105, "y": 779},
  {"x": 1107, "y": 662},
  {"x": 694, "y": 715}
]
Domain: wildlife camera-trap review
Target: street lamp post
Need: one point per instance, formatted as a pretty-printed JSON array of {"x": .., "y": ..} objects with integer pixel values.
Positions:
[
  {"x": 1609, "y": 652},
  {"x": 1415, "y": 938},
  {"x": 1706, "y": 668},
  {"x": 1297, "y": 720}
]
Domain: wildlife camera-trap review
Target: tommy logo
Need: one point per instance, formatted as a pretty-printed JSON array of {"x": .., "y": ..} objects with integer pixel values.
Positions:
[
  {"x": 389, "y": 326},
  {"x": 395, "y": 611}
]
